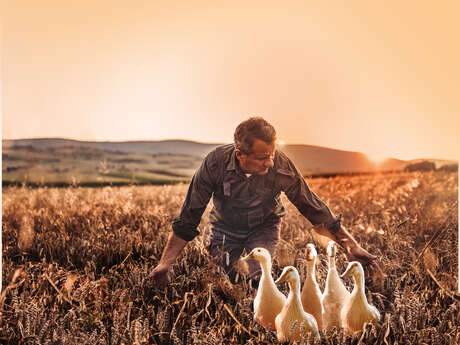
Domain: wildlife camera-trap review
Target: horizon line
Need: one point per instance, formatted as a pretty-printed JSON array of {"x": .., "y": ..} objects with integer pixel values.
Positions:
[{"x": 209, "y": 143}]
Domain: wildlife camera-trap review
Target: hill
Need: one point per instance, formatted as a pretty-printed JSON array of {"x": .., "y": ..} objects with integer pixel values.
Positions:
[
  {"x": 64, "y": 161},
  {"x": 179, "y": 147},
  {"x": 314, "y": 160}
]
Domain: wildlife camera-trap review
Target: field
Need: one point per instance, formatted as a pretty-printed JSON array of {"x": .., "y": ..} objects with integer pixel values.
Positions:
[
  {"x": 71, "y": 165},
  {"x": 75, "y": 261}
]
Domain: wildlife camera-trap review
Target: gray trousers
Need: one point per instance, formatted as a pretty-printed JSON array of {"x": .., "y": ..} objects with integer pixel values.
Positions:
[{"x": 226, "y": 246}]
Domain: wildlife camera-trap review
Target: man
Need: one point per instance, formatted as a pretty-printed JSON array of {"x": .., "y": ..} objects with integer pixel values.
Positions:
[{"x": 245, "y": 180}]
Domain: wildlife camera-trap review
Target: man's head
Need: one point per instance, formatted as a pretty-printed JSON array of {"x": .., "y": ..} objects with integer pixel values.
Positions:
[{"x": 255, "y": 145}]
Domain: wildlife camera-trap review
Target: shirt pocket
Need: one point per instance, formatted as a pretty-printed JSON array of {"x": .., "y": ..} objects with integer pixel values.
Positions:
[
  {"x": 255, "y": 217},
  {"x": 269, "y": 198}
]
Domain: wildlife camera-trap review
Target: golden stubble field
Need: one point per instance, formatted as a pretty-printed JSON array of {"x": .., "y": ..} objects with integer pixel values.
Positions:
[{"x": 75, "y": 262}]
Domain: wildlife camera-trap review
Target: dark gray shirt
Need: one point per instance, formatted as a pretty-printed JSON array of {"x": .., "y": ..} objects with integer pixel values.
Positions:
[{"x": 242, "y": 203}]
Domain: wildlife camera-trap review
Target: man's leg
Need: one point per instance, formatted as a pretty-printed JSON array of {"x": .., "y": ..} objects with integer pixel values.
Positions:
[
  {"x": 265, "y": 236},
  {"x": 225, "y": 249}
]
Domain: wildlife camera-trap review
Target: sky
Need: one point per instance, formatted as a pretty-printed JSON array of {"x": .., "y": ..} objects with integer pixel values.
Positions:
[{"x": 379, "y": 77}]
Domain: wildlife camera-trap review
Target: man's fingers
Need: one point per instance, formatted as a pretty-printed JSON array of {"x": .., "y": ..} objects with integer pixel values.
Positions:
[
  {"x": 372, "y": 257},
  {"x": 158, "y": 278},
  {"x": 376, "y": 268},
  {"x": 374, "y": 272},
  {"x": 160, "y": 284},
  {"x": 370, "y": 260}
]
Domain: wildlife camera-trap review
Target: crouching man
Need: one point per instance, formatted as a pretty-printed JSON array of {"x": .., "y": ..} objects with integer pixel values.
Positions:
[{"x": 245, "y": 180}]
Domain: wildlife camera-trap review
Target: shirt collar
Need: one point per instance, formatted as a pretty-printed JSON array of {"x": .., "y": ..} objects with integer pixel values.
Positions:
[{"x": 232, "y": 164}]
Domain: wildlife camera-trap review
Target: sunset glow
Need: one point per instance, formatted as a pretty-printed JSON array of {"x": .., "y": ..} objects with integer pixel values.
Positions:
[
  {"x": 376, "y": 158},
  {"x": 361, "y": 76}
]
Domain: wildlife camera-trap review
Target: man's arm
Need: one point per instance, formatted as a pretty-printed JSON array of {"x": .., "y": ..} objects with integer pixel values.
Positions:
[
  {"x": 185, "y": 226},
  {"x": 172, "y": 250},
  {"x": 353, "y": 250},
  {"x": 319, "y": 214}
]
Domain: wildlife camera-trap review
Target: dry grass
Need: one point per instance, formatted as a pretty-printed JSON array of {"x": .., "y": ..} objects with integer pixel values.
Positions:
[{"x": 75, "y": 262}]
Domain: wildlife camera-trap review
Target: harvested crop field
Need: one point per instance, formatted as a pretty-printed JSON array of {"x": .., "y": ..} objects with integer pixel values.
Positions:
[{"x": 75, "y": 261}]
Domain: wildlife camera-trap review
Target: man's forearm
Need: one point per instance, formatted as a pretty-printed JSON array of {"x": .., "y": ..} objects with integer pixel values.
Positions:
[
  {"x": 172, "y": 250},
  {"x": 342, "y": 236},
  {"x": 353, "y": 250}
]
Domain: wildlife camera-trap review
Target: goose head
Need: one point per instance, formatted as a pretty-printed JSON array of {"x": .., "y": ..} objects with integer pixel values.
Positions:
[
  {"x": 355, "y": 269},
  {"x": 259, "y": 254},
  {"x": 289, "y": 274},
  {"x": 311, "y": 252},
  {"x": 331, "y": 249}
]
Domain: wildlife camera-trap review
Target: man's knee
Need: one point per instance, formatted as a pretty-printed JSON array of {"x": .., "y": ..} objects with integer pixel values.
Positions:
[
  {"x": 265, "y": 238},
  {"x": 267, "y": 241}
]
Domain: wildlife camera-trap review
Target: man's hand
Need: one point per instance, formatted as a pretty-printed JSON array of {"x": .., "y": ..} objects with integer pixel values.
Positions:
[
  {"x": 357, "y": 253},
  {"x": 159, "y": 276},
  {"x": 369, "y": 263},
  {"x": 353, "y": 250}
]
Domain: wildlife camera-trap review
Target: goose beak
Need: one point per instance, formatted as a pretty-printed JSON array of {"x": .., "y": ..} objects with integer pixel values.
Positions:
[
  {"x": 331, "y": 249},
  {"x": 348, "y": 271},
  {"x": 311, "y": 253},
  {"x": 281, "y": 278},
  {"x": 247, "y": 257}
]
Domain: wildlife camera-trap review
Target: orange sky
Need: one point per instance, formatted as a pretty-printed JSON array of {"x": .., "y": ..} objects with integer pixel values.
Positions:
[{"x": 380, "y": 77}]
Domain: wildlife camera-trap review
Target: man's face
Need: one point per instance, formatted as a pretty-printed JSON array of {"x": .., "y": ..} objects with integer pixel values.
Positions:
[{"x": 259, "y": 159}]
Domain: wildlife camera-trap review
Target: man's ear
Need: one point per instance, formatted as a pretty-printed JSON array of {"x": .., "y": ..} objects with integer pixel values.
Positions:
[{"x": 238, "y": 153}]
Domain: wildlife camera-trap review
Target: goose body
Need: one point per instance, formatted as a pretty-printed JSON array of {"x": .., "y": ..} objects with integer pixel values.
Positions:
[
  {"x": 311, "y": 293},
  {"x": 335, "y": 293},
  {"x": 357, "y": 310},
  {"x": 269, "y": 301},
  {"x": 293, "y": 323}
]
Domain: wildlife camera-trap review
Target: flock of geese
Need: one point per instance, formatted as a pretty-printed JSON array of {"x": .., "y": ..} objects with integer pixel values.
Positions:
[{"x": 309, "y": 311}]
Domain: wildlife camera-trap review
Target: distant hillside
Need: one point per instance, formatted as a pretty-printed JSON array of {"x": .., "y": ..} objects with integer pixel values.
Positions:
[
  {"x": 63, "y": 161},
  {"x": 180, "y": 147},
  {"x": 315, "y": 160}
]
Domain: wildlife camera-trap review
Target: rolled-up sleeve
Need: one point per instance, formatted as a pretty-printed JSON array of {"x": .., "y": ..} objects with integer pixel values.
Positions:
[
  {"x": 307, "y": 202},
  {"x": 198, "y": 195}
]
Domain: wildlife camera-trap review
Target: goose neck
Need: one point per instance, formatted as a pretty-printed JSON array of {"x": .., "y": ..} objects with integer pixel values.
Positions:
[
  {"x": 266, "y": 267},
  {"x": 332, "y": 262},
  {"x": 294, "y": 293},
  {"x": 359, "y": 284},
  {"x": 311, "y": 270}
]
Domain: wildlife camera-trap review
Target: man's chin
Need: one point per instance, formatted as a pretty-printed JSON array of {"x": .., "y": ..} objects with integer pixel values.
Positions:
[{"x": 262, "y": 172}]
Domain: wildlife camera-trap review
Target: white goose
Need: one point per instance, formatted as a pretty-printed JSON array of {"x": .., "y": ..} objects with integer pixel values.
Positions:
[
  {"x": 311, "y": 293},
  {"x": 293, "y": 322},
  {"x": 357, "y": 310},
  {"x": 335, "y": 293},
  {"x": 269, "y": 300}
]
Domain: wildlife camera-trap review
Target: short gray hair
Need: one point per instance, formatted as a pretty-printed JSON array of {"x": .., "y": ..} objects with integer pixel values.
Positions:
[{"x": 250, "y": 129}]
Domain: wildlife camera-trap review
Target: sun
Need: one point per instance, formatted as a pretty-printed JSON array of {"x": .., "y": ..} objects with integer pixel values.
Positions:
[{"x": 376, "y": 158}]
